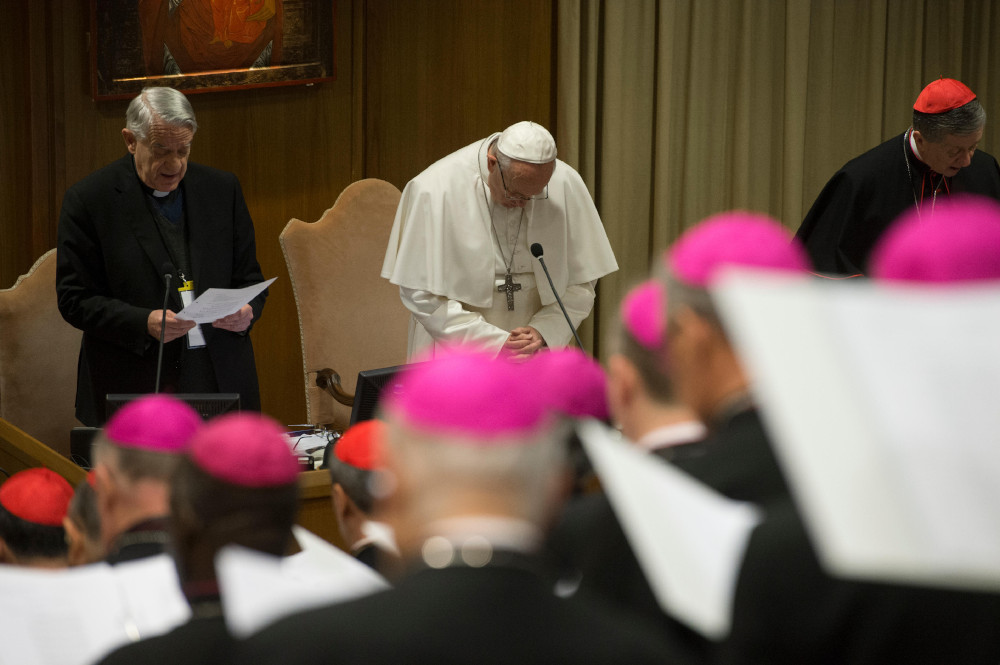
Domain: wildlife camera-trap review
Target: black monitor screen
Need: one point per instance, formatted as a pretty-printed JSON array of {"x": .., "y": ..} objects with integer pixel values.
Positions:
[
  {"x": 208, "y": 405},
  {"x": 371, "y": 384}
]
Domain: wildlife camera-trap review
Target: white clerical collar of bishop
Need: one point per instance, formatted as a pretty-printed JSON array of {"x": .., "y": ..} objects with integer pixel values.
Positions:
[
  {"x": 673, "y": 435},
  {"x": 505, "y": 533},
  {"x": 479, "y": 541},
  {"x": 375, "y": 533}
]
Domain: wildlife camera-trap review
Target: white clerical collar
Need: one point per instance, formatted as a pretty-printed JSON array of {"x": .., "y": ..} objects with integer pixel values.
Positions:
[
  {"x": 158, "y": 194},
  {"x": 478, "y": 541},
  {"x": 379, "y": 534},
  {"x": 503, "y": 533},
  {"x": 672, "y": 435}
]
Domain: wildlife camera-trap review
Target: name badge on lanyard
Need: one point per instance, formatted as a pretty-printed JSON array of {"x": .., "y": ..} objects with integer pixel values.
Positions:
[{"x": 195, "y": 338}]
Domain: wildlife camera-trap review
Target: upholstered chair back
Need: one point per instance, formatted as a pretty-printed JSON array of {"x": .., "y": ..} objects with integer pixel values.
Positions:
[
  {"x": 38, "y": 354},
  {"x": 350, "y": 318}
]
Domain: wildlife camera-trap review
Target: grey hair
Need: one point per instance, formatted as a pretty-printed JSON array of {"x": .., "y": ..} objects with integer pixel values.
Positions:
[
  {"x": 133, "y": 464},
  {"x": 165, "y": 104},
  {"x": 698, "y": 299},
  {"x": 357, "y": 483},
  {"x": 650, "y": 364},
  {"x": 965, "y": 120},
  {"x": 521, "y": 473}
]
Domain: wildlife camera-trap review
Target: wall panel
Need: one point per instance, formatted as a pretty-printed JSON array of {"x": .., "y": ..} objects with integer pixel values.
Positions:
[{"x": 440, "y": 74}]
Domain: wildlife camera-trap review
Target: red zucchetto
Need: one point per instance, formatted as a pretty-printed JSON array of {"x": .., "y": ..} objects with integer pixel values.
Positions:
[
  {"x": 39, "y": 496},
  {"x": 361, "y": 445},
  {"x": 942, "y": 96}
]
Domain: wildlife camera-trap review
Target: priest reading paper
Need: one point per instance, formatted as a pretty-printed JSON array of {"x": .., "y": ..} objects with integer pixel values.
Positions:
[{"x": 459, "y": 246}]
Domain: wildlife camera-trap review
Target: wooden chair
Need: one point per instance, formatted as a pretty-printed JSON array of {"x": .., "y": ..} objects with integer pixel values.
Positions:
[
  {"x": 350, "y": 318},
  {"x": 38, "y": 356}
]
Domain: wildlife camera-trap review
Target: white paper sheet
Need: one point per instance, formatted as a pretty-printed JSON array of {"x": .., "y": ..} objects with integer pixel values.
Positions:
[
  {"x": 76, "y": 616},
  {"x": 884, "y": 406},
  {"x": 688, "y": 539},
  {"x": 215, "y": 304},
  {"x": 258, "y": 589}
]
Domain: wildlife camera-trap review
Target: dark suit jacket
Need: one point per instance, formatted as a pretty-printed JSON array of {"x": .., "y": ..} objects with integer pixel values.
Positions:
[
  {"x": 460, "y": 615},
  {"x": 590, "y": 551},
  {"x": 788, "y": 608},
  {"x": 193, "y": 643},
  {"x": 109, "y": 277},
  {"x": 145, "y": 539},
  {"x": 737, "y": 460}
]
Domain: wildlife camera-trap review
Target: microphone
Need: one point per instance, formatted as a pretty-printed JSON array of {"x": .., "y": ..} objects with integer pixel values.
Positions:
[
  {"x": 167, "y": 269},
  {"x": 536, "y": 251}
]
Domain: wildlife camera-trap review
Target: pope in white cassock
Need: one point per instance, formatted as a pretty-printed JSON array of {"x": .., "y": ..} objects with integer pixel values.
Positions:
[{"x": 459, "y": 246}]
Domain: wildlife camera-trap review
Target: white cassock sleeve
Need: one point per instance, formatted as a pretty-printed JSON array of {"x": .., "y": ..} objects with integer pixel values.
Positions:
[
  {"x": 447, "y": 321},
  {"x": 550, "y": 322}
]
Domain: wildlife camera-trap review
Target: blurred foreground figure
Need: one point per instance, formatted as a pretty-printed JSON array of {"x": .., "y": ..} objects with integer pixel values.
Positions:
[
  {"x": 237, "y": 485},
  {"x": 705, "y": 369},
  {"x": 83, "y": 525},
  {"x": 134, "y": 458},
  {"x": 575, "y": 388},
  {"x": 787, "y": 607},
  {"x": 960, "y": 242},
  {"x": 478, "y": 470},
  {"x": 590, "y": 546}
]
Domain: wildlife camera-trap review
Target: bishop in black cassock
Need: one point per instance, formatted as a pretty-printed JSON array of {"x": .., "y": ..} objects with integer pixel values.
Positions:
[
  {"x": 936, "y": 157},
  {"x": 477, "y": 465}
]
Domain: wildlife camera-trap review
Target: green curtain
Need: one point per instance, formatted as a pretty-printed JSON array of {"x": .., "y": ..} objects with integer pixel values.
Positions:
[{"x": 676, "y": 109}]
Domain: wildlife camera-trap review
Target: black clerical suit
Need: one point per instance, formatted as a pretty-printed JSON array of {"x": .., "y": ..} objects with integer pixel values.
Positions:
[
  {"x": 788, "y": 609},
  {"x": 869, "y": 192},
  {"x": 144, "y": 539},
  {"x": 111, "y": 254},
  {"x": 500, "y": 613},
  {"x": 736, "y": 459},
  {"x": 592, "y": 557},
  {"x": 202, "y": 640}
]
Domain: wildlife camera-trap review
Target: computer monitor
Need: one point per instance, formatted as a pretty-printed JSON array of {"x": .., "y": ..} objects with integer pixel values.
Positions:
[
  {"x": 208, "y": 405},
  {"x": 372, "y": 383}
]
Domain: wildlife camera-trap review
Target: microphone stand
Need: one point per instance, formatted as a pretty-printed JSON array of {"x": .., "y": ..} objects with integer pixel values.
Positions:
[
  {"x": 536, "y": 251},
  {"x": 163, "y": 328}
]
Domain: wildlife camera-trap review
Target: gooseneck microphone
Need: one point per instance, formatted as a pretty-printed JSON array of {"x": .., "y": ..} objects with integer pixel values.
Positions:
[
  {"x": 536, "y": 251},
  {"x": 167, "y": 269}
]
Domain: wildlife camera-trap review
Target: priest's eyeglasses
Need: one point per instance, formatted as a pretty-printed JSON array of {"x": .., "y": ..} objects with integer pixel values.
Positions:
[{"x": 544, "y": 194}]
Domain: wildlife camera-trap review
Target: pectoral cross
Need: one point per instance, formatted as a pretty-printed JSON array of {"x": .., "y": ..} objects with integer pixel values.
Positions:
[{"x": 509, "y": 286}]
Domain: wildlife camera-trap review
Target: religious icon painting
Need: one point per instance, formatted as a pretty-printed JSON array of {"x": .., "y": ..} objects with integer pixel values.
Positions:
[{"x": 205, "y": 45}]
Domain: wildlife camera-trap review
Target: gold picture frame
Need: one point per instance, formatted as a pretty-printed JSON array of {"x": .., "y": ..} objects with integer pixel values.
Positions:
[{"x": 209, "y": 45}]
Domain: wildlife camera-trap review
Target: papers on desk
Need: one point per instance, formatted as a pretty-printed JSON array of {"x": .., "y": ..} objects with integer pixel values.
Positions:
[
  {"x": 214, "y": 304},
  {"x": 258, "y": 589},
  {"x": 688, "y": 539},
  {"x": 76, "y": 616},
  {"x": 884, "y": 405}
]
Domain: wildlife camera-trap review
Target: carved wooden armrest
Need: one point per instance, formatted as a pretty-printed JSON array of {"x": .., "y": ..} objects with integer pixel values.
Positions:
[{"x": 329, "y": 380}]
